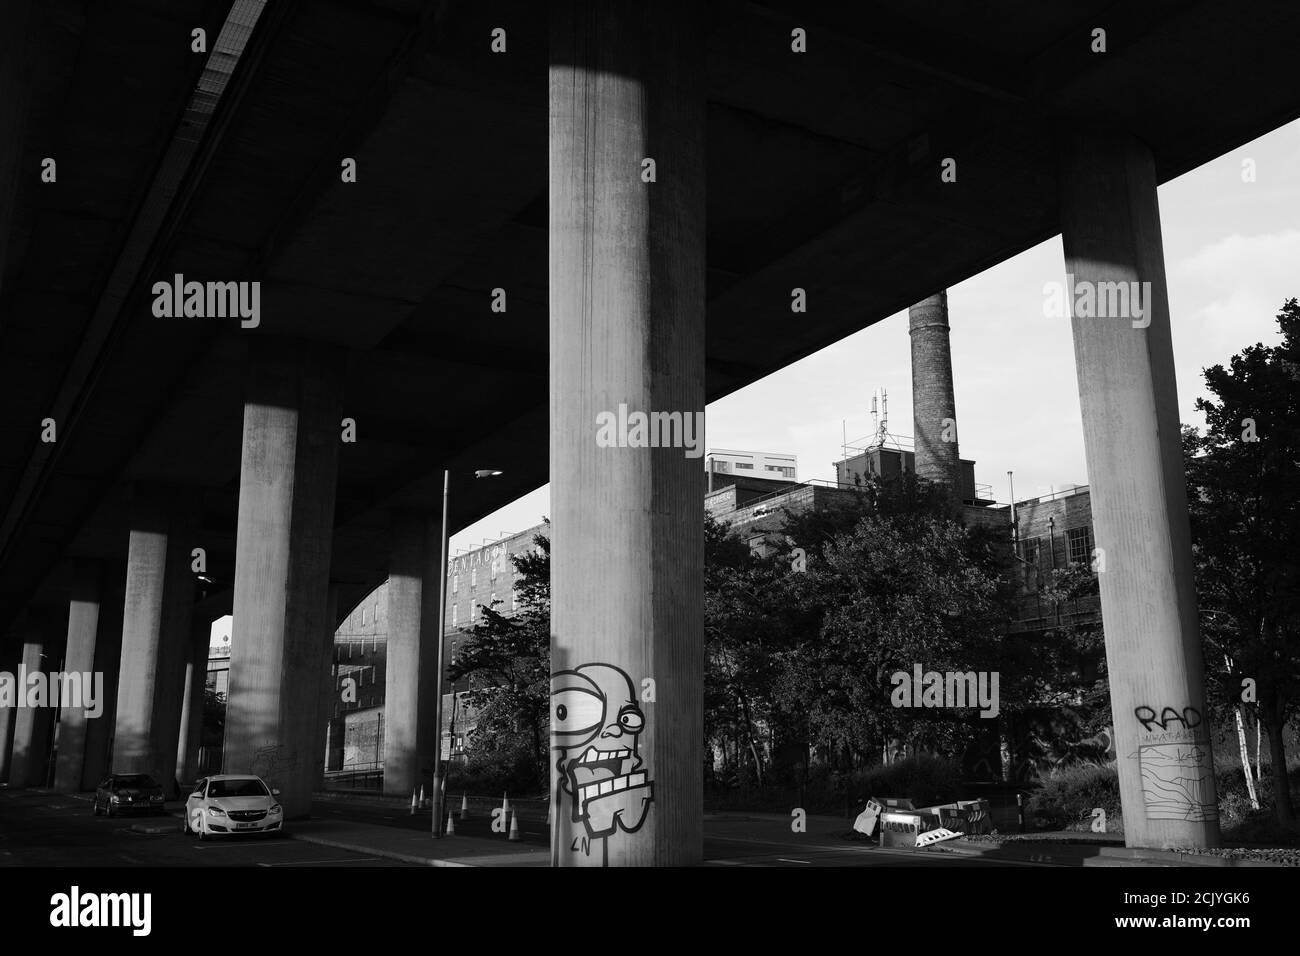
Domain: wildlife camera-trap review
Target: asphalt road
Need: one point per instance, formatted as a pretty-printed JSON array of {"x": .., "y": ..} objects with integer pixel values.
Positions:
[
  {"x": 44, "y": 829},
  {"x": 730, "y": 839},
  {"x": 47, "y": 829}
]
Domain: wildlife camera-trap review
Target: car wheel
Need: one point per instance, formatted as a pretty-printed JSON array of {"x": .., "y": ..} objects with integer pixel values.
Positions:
[
  {"x": 111, "y": 812},
  {"x": 94, "y": 806},
  {"x": 203, "y": 831}
]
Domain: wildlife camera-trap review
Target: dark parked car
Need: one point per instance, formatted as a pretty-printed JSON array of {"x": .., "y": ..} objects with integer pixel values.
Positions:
[{"x": 128, "y": 793}]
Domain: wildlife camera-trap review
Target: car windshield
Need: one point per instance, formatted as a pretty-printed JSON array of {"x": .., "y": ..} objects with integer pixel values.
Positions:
[
  {"x": 135, "y": 780},
  {"x": 242, "y": 787}
]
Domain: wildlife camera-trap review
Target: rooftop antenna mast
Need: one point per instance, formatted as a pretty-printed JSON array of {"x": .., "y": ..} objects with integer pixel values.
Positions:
[{"x": 882, "y": 427}]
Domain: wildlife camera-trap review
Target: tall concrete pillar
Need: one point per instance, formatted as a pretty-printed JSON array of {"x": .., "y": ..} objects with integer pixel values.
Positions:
[
  {"x": 157, "y": 608},
  {"x": 934, "y": 407},
  {"x": 33, "y": 726},
  {"x": 282, "y": 558},
  {"x": 626, "y": 339},
  {"x": 83, "y": 628},
  {"x": 325, "y": 710},
  {"x": 108, "y": 658},
  {"x": 9, "y": 660},
  {"x": 411, "y": 656},
  {"x": 195, "y": 680},
  {"x": 1110, "y": 224}
]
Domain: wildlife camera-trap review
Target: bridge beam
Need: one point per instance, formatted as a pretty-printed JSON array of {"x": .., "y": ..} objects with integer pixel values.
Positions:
[
  {"x": 1111, "y": 232},
  {"x": 411, "y": 663},
  {"x": 284, "y": 534},
  {"x": 626, "y": 328}
]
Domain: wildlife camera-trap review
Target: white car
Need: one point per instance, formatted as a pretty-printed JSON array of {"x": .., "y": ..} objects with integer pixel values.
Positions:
[{"x": 232, "y": 803}]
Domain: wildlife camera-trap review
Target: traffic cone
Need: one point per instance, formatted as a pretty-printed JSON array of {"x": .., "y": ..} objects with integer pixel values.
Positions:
[
  {"x": 464, "y": 806},
  {"x": 413, "y": 803},
  {"x": 505, "y": 804},
  {"x": 514, "y": 836},
  {"x": 423, "y": 803},
  {"x": 451, "y": 824}
]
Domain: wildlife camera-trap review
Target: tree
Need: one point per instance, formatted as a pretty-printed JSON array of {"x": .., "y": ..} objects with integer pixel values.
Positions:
[
  {"x": 1243, "y": 478},
  {"x": 897, "y": 590},
  {"x": 507, "y": 659}
]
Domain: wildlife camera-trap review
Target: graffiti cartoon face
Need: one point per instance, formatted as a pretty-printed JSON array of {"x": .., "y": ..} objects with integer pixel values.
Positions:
[{"x": 596, "y": 725}]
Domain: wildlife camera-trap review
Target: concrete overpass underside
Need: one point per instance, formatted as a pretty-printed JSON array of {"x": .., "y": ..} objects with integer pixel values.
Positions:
[{"x": 822, "y": 171}]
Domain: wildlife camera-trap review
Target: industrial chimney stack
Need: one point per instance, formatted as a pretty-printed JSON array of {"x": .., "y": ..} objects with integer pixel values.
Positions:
[{"x": 934, "y": 410}]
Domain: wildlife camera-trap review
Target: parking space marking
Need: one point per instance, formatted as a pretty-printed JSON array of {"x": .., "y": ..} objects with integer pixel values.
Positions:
[{"x": 321, "y": 862}]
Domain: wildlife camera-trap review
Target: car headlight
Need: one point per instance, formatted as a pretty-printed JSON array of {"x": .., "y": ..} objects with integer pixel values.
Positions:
[
  {"x": 276, "y": 808},
  {"x": 216, "y": 811},
  {"x": 114, "y": 799}
]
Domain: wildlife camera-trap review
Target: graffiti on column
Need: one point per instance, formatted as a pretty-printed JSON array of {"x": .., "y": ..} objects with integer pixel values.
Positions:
[
  {"x": 1174, "y": 761},
  {"x": 596, "y": 726},
  {"x": 272, "y": 760}
]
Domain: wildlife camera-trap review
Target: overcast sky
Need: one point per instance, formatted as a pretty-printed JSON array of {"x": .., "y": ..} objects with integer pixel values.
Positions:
[{"x": 1232, "y": 256}]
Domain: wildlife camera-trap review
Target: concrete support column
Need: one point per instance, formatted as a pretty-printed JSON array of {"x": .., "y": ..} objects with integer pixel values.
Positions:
[
  {"x": 411, "y": 661},
  {"x": 33, "y": 725},
  {"x": 1110, "y": 224},
  {"x": 83, "y": 629},
  {"x": 9, "y": 660},
  {"x": 196, "y": 678},
  {"x": 282, "y": 559},
  {"x": 108, "y": 658},
  {"x": 627, "y": 329},
  {"x": 157, "y": 609},
  {"x": 325, "y": 711},
  {"x": 934, "y": 407}
]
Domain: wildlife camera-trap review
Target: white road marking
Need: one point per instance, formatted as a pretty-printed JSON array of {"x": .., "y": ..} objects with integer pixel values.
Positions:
[{"x": 319, "y": 862}]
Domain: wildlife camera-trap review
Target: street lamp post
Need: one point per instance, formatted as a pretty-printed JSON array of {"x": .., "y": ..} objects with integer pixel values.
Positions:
[{"x": 442, "y": 640}]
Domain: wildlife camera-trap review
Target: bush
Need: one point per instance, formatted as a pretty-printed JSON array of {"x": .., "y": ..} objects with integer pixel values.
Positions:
[
  {"x": 511, "y": 770},
  {"x": 1260, "y": 827},
  {"x": 926, "y": 780},
  {"x": 1234, "y": 798},
  {"x": 1068, "y": 795}
]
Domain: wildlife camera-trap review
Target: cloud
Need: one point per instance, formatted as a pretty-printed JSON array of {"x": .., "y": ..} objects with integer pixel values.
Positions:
[{"x": 1224, "y": 297}]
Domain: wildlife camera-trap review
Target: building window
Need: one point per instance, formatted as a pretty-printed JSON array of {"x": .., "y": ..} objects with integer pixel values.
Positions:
[
  {"x": 455, "y": 614},
  {"x": 473, "y": 577},
  {"x": 1030, "y": 549},
  {"x": 473, "y": 612},
  {"x": 1080, "y": 545},
  {"x": 455, "y": 583},
  {"x": 744, "y": 464}
]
